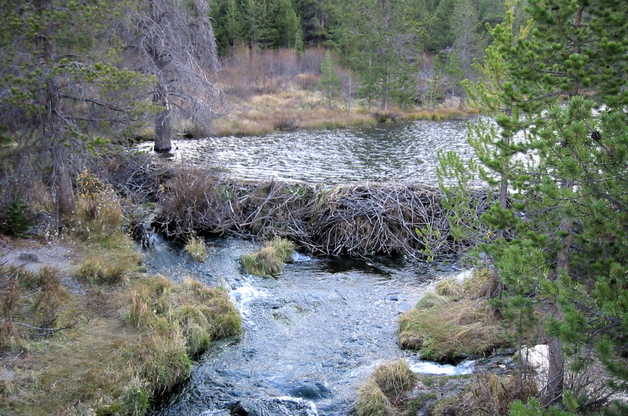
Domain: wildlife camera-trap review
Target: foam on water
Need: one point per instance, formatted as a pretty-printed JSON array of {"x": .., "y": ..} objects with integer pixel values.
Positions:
[{"x": 428, "y": 367}]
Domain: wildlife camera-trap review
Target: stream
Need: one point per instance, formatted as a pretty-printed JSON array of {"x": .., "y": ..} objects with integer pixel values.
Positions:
[
  {"x": 314, "y": 334},
  {"x": 311, "y": 336}
]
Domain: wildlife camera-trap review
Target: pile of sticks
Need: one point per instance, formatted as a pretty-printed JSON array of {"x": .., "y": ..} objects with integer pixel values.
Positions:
[{"x": 358, "y": 219}]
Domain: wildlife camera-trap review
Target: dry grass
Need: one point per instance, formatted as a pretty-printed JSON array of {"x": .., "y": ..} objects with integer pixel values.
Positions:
[
  {"x": 372, "y": 401},
  {"x": 107, "y": 348},
  {"x": 32, "y": 305},
  {"x": 454, "y": 323},
  {"x": 111, "y": 267},
  {"x": 383, "y": 393},
  {"x": 488, "y": 394},
  {"x": 110, "y": 256},
  {"x": 196, "y": 248},
  {"x": 269, "y": 260},
  {"x": 305, "y": 108},
  {"x": 120, "y": 355}
]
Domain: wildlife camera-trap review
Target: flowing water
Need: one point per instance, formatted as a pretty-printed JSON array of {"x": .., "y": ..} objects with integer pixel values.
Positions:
[
  {"x": 312, "y": 335},
  {"x": 399, "y": 153}
]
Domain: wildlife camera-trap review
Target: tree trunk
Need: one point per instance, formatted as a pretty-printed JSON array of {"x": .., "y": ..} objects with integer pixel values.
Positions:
[
  {"x": 163, "y": 127},
  {"x": 556, "y": 370},
  {"x": 63, "y": 186}
]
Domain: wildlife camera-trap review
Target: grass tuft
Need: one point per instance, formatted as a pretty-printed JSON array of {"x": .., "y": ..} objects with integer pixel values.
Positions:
[
  {"x": 110, "y": 267},
  {"x": 452, "y": 324},
  {"x": 196, "y": 248},
  {"x": 270, "y": 260},
  {"x": 488, "y": 394},
  {"x": 450, "y": 288},
  {"x": 372, "y": 401},
  {"x": 384, "y": 391}
]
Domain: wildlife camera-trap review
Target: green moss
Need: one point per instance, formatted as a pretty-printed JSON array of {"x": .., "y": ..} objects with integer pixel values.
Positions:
[{"x": 270, "y": 260}]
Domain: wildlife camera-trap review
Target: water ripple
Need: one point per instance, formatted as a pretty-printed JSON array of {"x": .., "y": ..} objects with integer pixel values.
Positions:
[{"x": 400, "y": 153}]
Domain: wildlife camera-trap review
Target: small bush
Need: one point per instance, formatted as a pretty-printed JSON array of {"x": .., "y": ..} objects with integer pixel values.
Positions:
[
  {"x": 17, "y": 218},
  {"x": 268, "y": 261},
  {"x": 196, "y": 248}
]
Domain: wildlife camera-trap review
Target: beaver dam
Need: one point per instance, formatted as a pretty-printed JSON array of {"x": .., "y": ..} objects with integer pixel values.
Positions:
[
  {"x": 358, "y": 192},
  {"x": 356, "y": 220}
]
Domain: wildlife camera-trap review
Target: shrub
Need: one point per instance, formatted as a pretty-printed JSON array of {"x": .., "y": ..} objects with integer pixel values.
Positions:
[
  {"x": 268, "y": 261},
  {"x": 18, "y": 219},
  {"x": 196, "y": 248}
]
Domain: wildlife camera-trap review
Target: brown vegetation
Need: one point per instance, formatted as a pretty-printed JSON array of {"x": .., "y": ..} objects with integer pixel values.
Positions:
[
  {"x": 269, "y": 90},
  {"x": 110, "y": 342},
  {"x": 358, "y": 220},
  {"x": 487, "y": 394}
]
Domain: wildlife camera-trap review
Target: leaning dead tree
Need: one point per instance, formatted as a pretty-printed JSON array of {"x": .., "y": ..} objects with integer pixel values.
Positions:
[{"x": 173, "y": 41}]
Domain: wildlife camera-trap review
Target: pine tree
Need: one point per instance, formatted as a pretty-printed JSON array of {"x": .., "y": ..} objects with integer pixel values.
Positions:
[
  {"x": 557, "y": 159},
  {"x": 375, "y": 38},
  {"x": 60, "y": 82},
  {"x": 329, "y": 79}
]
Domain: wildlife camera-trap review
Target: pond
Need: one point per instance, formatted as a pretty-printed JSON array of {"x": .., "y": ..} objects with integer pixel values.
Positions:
[{"x": 391, "y": 153}]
